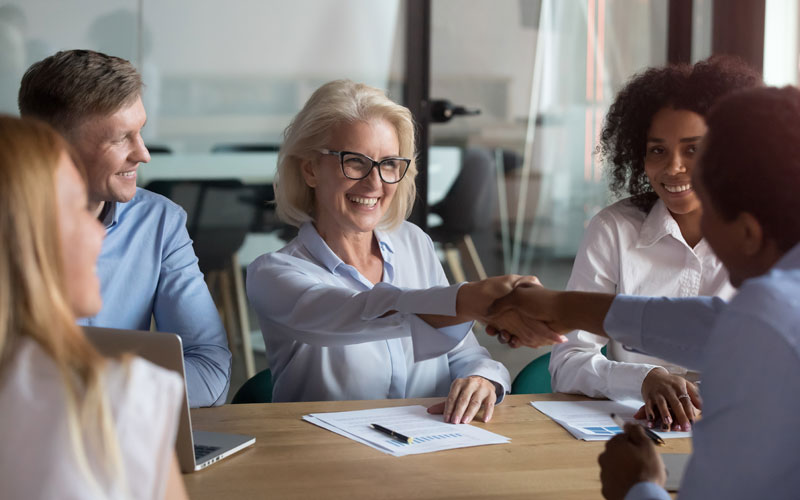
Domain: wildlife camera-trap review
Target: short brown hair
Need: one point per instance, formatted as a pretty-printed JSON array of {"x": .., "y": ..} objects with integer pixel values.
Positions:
[{"x": 71, "y": 85}]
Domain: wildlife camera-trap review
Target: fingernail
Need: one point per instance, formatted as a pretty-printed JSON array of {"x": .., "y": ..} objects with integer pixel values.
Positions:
[
  {"x": 467, "y": 419},
  {"x": 687, "y": 427},
  {"x": 649, "y": 425}
]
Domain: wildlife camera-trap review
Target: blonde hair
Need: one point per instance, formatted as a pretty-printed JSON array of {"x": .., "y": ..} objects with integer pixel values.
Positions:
[
  {"x": 33, "y": 297},
  {"x": 336, "y": 103}
]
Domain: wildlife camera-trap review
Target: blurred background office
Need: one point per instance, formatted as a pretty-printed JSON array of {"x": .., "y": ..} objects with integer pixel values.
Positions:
[{"x": 509, "y": 96}]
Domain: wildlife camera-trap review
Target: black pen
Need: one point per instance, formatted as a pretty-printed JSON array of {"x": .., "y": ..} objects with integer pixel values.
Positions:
[
  {"x": 652, "y": 435},
  {"x": 392, "y": 433}
]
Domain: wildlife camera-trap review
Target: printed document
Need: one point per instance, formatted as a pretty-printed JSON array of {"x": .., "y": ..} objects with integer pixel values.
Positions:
[
  {"x": 591, "y": 420},
  {"x": 428, "y": 431}
]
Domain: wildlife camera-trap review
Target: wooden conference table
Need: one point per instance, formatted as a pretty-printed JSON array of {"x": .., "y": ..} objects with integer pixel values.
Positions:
[{"x": 295, "y": 459}]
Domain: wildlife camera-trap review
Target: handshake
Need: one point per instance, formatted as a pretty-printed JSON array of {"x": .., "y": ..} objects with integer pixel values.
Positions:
[{"x": 516, "y": 309}]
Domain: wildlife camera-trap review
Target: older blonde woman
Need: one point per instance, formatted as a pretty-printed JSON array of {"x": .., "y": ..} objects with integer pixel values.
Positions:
[
  {"x": 357, "y": 306},
  {"x": 75, "y": 425}
]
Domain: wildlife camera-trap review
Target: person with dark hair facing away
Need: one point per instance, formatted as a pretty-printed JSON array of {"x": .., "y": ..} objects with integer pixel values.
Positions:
[
  {"x": 148, "y": 268},
  {"x": 649, "y": 243},
  {"x": 747, "y": 178}
]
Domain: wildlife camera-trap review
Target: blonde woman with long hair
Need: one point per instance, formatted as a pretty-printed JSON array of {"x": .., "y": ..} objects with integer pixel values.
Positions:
[{"x": 74, "y": 425}]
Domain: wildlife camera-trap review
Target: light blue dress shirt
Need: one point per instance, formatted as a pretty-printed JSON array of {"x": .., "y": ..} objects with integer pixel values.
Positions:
[
  {"x": 327, "y": 333},
  {"x": 147, "y": 266},
  {"x": 747, "y": 444}
]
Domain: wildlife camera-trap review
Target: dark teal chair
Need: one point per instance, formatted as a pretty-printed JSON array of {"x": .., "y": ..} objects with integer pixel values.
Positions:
[
  {"x": 534, "y": 378},
  {"x": 256, "y": 390}
]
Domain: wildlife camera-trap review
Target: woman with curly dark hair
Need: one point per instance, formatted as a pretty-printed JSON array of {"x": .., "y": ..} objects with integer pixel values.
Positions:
[{"x": 650, "y": 242}]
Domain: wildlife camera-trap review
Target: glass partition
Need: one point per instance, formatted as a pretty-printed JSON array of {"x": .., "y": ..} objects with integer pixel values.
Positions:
[{"x": 542, "y": 73}]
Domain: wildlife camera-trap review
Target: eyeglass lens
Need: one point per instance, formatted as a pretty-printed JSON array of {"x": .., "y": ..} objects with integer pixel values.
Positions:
[{"x": 356, "y": 166}]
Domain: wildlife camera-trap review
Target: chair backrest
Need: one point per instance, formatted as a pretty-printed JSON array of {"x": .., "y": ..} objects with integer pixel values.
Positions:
[
  {"x": 534, "y": 378},
  {"x": 256, "y": 390},
  {"x": 471, "y": 203},
  {"x": 219, "y": 214}
]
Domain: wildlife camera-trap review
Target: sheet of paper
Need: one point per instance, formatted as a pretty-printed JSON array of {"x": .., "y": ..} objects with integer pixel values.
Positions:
[
  {"x": 430, "y": 433},
  {"x": 591, "y": 420}
]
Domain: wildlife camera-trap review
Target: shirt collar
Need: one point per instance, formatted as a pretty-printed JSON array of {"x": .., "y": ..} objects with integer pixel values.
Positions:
[
  {"x": 658, "y": 224},
  {"x": 320, "y": 250},
  {"x": 790, "y": 260},
  {"x": 108, "y": 216}
]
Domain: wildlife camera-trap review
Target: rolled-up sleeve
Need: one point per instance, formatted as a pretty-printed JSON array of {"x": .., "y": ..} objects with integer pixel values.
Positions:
[{"x": 183, "y": 305}]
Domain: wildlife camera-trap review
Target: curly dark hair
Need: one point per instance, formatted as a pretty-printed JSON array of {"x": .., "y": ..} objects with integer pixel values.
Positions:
[
  {"x": 751, "y": 160},
  {"x": 623, "y": 142}
]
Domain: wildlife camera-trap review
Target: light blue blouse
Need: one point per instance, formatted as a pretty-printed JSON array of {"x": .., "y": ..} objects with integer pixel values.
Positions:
[{"x": 326, "y": 334}]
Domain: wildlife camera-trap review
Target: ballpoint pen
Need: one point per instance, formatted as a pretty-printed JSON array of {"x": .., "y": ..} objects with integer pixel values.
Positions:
[
  {"x": 392, "y": 433},
  {"x": 652, "y": 435}
]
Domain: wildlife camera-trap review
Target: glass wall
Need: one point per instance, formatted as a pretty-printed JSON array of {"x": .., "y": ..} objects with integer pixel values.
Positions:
[
  {"x": 215, "y": 73},
  {"x": 781, "y": 43},
  {"x": 222, "y": 81},
  {"x": 542, "y": 73}
]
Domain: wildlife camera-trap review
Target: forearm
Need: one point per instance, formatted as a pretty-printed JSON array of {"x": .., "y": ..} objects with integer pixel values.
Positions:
[{"x": 579, "y": 310}]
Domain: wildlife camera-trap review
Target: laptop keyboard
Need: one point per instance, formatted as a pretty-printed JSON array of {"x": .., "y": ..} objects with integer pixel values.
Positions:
[{"x": 201, "y": 451}]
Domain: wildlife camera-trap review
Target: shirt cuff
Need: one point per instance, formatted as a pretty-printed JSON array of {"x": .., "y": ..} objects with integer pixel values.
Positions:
[
  {"x": 647, "y": 491},
  {"x": 623, "y": 321}
]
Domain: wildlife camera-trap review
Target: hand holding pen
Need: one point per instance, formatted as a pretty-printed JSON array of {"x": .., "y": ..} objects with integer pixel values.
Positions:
[
  {"x": 655, "y": 438},
  {"x": 630, "y": 458}
]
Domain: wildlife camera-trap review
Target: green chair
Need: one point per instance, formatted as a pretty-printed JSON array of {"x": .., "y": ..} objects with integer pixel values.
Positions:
[
  {"x": 256, "y": 390},
  {"x": 534, "y": 378}
]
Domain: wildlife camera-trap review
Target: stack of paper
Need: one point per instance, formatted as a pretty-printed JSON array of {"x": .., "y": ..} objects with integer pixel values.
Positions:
[
  {"x": 591, "y": 420},
  {"x": 428, "y": 431}
]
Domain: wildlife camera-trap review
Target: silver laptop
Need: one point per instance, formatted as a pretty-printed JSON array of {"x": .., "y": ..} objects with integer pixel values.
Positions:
[{"x": 196, "y": 449}]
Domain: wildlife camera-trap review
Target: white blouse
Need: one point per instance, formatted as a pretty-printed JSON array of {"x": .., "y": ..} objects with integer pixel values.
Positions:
[
  {"x": 332, "y": 335},
  {"x": 37, "y": 454},
  {"x": 625, "y": 251}
]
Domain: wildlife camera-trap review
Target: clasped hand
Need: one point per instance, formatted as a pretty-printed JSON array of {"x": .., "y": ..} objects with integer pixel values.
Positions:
[{"x": 525, "y": 316}]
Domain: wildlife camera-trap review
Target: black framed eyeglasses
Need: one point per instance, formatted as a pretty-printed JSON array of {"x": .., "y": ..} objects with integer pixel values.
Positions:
[{"x": 356, "y": 166}]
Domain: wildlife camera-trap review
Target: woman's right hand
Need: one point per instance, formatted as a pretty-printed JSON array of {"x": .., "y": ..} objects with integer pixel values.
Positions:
[
  {"x": 669, "y": 398},
  {"x": 475, "y": 298}
]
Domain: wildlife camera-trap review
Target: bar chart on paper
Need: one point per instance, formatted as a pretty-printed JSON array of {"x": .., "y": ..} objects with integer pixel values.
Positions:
[
  {"x": 424, "y": 439},
  {"x": 591, "y": 420},
  {"x": 429, "y": 432}
]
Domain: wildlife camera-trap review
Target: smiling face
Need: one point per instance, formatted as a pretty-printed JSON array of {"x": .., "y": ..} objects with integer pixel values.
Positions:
[
  {"x": 111, "y": 148},
  {"x": 344, "y": 206},
  {"x": 81, "y": 236},
  {"x": 672, "y": 143}
]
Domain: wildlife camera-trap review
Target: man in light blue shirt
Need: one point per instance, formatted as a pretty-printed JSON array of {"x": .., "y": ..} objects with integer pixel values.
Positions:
[
  {"x": 147, "y": 267},
  {"x": 745, "y": 445}
]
